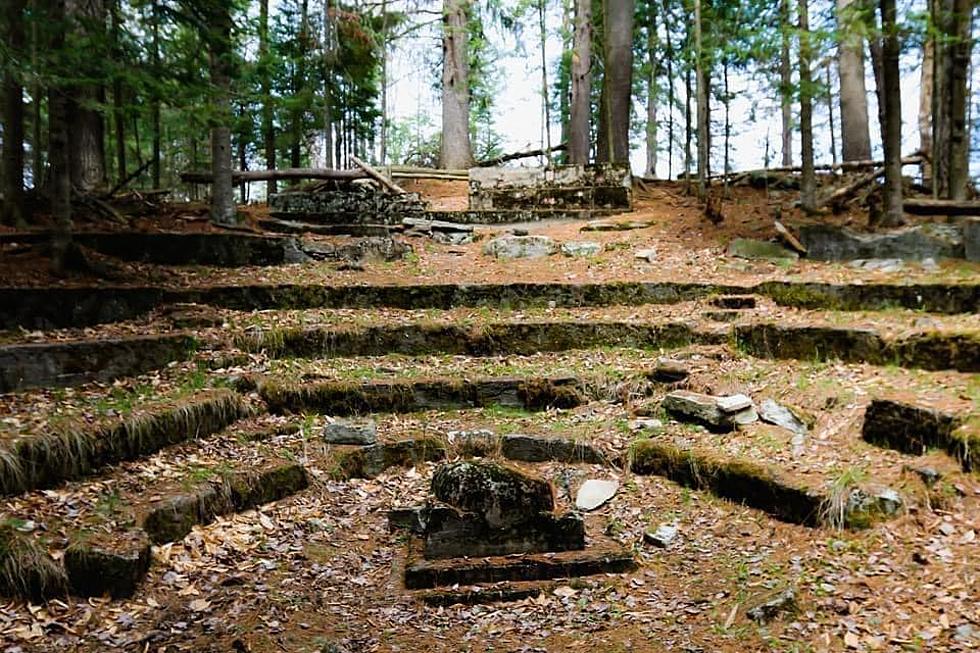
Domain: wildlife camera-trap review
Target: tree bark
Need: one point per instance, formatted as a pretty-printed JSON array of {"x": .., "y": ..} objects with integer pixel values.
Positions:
[
  {"x": 652, "y": 96},
  {"x": 155, "y": 98},
  {"x": 830, "y": 114},
  {"x": 13, "y": 115},
  {"x": 456, "y": 151},
  {"x": 892, "y": 127},
  {"x": 299, "y": 84},
  {"x": 855, "y": 134},
  {"x": 59, "y": 159},
  {"x": 617, "y": 81},
  {"x": 959, "y": 137},
  {"x": 268, "y": 125},
  {"x": 220, "y": 52},
  {"x": 703, "y": 91},
  {"x": 808, "y": 181},
  {"x": 545, "y": 100},
  {"x": 669, "y": 56},
  {"x": 87, "y": 135},
  {"x": 329, "y": 60},
  {"x": 925, "y": 108},
  {"x": 786, "y": 84},
  {"x": 580, "y": 111},
  {"x": 118, "y": 113}
]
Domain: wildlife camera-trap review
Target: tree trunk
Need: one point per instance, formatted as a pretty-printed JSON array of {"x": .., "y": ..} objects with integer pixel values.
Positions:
[
  {"x": 220, "y": 53},
  {"x": 268, "y": 124},
  {"x": 37, "y": 145},
  {"x": 118, "y": 113},
  {"x": 86, "y": 138},
  {"x": 669, "y": 56},
  {"x": 652, "y": 95},
  {"x": 926, "y": 108},
  {"x": 59, "y": 159},
  {"x": 688, "y": 126},
  {"x": 456, "y": 151},
  {"x": 855, "y": 135},
  {"x": 892, "y": 128},
  {"x": 959, "y": 136},
  {"x": 830, "y": 117},
  {"x": 580, "y": 111},
  {"x": 704, "y": 112},
  {"x": 808, "y": 181},
  {"x": 617, "y": 81},
  {"x": 299, "y": 84},
  {"x": 155, "y": 98},
  {"x": 13, "y": 116},
  {"x": 329, "y": 60},
  {"x": 786, "y": 84},
  {"x": 545, "y": 100}
]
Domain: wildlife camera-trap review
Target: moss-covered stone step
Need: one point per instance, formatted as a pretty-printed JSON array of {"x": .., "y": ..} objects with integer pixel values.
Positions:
[
  {"x": 940, "y": 350},
  {"x": 598, "y": 559},
  {"x": 762, "y": 487},
  {"x": 373, "y": 460},
  {"x": 27, "y": 570},
  {"x": 108, "y": 563},
  {"x": 529, "y": 448},
  {"x": 913, "y": 429},
  {"x": 42, "y": 308},
  {"x": 45, "y": 460},
  {"x": 479, "y": 595},
  {"x": 342, "y": 398},
  {"x": 59, "y": 364},
  {"x": 493, "y": 339},
  {"x": 172, "y": 518}
]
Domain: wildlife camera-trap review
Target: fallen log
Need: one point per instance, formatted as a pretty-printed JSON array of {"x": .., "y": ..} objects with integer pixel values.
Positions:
[
  {"x": 844, "y": 166},
  {"x": 837, "y": 199},
  {"x": 496, "y": 161},
  {"x": 924, "y": 206},
  {"x": 377, "y": 176},
  {"x": 199, "y": 177}
]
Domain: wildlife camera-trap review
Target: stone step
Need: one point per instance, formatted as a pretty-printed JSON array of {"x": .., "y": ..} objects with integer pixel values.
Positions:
[
  {"x": 603, "y": 558},
  {"x": 343, "y": 398},
  {"x": 482, "y": 594},
  {"x": 44, "y": 460},
  {"x": 914, "y": 429},
  {"x": 68, "y": 363},
  {"x": 930, "y": 350},
  {"x": 42, "y": 308},
  {"x": 763, "y": 487},
  {"x": 734, "y": 302},
  {"x": 493, "y": 339},
  {"x": 357, "y": 230}
]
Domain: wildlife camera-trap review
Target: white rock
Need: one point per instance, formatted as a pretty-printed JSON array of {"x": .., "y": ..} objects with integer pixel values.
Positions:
[
  {"x": 594, "y": 493},
  {"x": 581, "y": 248},
  {"x": 733, "y": 403}
]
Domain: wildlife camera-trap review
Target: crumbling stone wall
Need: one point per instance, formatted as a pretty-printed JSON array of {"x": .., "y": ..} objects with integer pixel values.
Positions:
[
  {"x": 568, "y": 187},
  {"x": 347, "y": 206}
]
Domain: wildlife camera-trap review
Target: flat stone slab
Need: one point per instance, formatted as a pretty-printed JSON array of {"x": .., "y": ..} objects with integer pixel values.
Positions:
[
  {"x": 352, "y": 432},
  {"x": 662, "y": 537},
  {"x": 600, "y": 559},
  {"x": 595, "y": 493},
  {"x": 423, "y": 224},
  {"x": 734, "y": 302},
  {"x": 580, "y": 248},
  {"x": 508, "y": 247},
  {"x": 760, "y": 250},
  {"x": 716, "y": 413},
  {"x": 479, "y": 595},
  {"x": 909, "y": 428},
  {"x": 774, "y": 413}
]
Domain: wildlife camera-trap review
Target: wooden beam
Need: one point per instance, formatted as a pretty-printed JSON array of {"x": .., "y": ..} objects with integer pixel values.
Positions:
[
  {"x": 924, "y": 206},
  {"x": 283, "y": 173},
  {"x": 377, "y": 176}
]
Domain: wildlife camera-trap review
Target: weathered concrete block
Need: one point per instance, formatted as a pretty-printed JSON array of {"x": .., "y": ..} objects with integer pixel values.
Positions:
[{"x": 450, "y": 533}]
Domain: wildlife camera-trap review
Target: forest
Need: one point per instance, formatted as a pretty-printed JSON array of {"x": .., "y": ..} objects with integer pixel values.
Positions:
[{"x": 99, "y": 95}]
